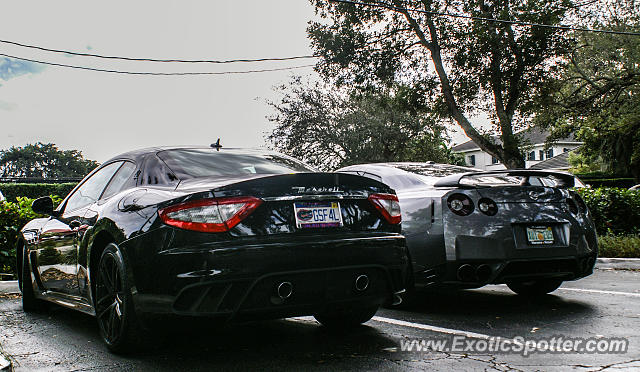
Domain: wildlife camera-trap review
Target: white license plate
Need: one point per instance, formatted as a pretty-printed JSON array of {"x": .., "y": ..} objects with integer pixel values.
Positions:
[
  {"x": 540, "y": 235},
  {"x": 317, "y": 214}
]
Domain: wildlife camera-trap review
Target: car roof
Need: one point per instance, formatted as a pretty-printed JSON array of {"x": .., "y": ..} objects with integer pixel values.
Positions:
[{"x": 135, "y": 154}]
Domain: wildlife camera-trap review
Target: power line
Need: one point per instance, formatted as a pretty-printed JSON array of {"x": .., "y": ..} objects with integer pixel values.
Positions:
[
  {"x": 152, "y": 59},
  {"x": 155, "y": 73},
  {"x": 454, "y": 15}
]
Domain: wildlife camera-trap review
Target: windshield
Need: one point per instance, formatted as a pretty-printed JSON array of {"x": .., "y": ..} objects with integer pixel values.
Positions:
[{"x": 192, "y": 163}]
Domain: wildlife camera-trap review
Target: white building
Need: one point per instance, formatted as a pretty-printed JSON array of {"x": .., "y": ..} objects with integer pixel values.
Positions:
[{"x": 534, "y": 139}]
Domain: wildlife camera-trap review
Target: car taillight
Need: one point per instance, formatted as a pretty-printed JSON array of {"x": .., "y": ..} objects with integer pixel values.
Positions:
[
  {"x": 487, "y": 206},
  {"x": 460, "y": 204},
  {"x": 388, "y": 206},
  {"x": 210, "y": 215}
]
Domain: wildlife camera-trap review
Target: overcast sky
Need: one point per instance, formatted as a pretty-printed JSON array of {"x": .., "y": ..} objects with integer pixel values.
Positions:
[{"x": 105, "y": 114}]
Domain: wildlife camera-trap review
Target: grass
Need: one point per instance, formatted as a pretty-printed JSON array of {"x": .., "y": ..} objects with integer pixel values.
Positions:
[{"x": 620, "y": 246}]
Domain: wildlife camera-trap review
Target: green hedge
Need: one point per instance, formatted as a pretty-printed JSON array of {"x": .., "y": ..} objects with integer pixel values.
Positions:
[
  {"x": 614, "y": 211},
  {"x": 623, "y": 246},
  {"x": 13, "y": 216},
  {"x": 12, "y": 191}
]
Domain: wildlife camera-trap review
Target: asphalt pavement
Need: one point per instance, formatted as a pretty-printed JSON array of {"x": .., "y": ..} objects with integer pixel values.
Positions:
[{"x": 602, "y": 306}]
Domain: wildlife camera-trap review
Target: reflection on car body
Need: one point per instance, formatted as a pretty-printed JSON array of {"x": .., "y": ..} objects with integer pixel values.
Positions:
[
  {"x": 468, "y": 228},
  {"x": 202, "y": 232}
]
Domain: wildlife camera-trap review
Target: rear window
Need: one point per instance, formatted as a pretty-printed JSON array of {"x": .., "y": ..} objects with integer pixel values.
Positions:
[
  {"x": 489, "y": 180},
  {"x": 432, "y": 170},
  {"x": 192, "y": 163},
  {"x": 430, "y": 173}
]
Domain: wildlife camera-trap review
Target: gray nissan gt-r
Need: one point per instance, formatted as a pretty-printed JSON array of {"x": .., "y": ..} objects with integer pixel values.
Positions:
[{"x": 468, "y": 228}]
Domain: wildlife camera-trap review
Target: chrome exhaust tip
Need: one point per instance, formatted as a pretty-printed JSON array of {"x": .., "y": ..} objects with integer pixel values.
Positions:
[
  {"x": 284, "y": 290},
  {"x": 362, "y": 283}
]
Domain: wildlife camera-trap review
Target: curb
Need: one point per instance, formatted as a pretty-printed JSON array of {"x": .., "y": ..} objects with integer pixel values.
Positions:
[
  {"x": 9, "y": 287},
  {"x": 618, "y": 263}
]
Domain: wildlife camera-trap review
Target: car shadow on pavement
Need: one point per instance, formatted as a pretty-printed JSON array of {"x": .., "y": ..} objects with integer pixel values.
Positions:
[
  {"x": 201, "y": 344},
  {"x": 490, "y": 308}
]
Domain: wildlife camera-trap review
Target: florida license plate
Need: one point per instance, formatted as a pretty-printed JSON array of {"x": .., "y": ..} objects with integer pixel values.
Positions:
[
  {"x": 540, "y": 235},
  {"x": 317, "y": 214}
]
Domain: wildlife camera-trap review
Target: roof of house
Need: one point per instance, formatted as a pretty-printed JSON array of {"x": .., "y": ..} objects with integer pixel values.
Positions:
[
  {"x": 531, "y": 136},
  {"x": 557, "y": 162}
]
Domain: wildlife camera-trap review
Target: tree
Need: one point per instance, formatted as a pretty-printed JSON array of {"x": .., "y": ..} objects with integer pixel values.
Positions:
[
  {"x": 597, "y": 94},
  {"x": 331, "y": 128},
  {"x": 46, "y": 161},
  {"x": 469, "y": 65}
]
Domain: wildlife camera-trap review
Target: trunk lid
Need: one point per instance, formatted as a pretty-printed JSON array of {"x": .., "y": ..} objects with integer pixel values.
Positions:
[{"x": 279, "y": 193}]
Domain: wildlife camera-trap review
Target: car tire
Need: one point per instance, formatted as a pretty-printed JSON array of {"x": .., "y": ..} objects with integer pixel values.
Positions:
[
  {"x": 535, "y": 287},
  {"x": 119, "y": 326},
  {"x": 29, "y": 301},
  {"x": 346, "y": 318}
]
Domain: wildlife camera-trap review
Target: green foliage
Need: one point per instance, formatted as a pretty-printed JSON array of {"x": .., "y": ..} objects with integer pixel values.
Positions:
[
  {"x": 596, "y": 95},
  {"x": 462, "y": 66},
  {"x": 13, "y": 216},
  {"x": 41, "y": 160},
  {"x": 581, "y": 164},
  {"x": 330, "y": 127},
  {"x": 614, "y": 211},
  {"x": 12, "y": 191},
  {"x": 624, "y": 246}
]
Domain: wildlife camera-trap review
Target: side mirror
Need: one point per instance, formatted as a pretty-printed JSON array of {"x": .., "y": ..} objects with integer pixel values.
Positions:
[{"x": 43, "y": 205}]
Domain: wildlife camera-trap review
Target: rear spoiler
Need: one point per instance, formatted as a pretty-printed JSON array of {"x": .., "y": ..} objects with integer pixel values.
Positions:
[{"x": 564, "y": 180}]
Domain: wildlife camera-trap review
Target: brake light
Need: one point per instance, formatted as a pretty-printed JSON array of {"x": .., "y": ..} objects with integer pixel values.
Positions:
[
  {"x": 210, "y": 215},
  {"x": 388, "y": 205},
  {"x": 460, "y": 204}
]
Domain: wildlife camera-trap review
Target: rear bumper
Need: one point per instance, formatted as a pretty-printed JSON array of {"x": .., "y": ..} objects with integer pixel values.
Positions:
[
  {"x": 239, "y": 279},
  {"x": 497, "y": 259},
  {"x": 475, "y": 273},
  {"x": 496, "y": 249}
]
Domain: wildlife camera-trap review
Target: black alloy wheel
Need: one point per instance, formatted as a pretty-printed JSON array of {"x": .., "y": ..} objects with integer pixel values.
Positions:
[{"x": 114, "y": 307}]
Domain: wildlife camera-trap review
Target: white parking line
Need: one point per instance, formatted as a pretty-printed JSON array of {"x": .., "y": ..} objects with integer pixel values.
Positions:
[
  {"x": 427, "y": 327},
  {"x": 403, "y": 323},
  {"x": 601, "y": 292}
]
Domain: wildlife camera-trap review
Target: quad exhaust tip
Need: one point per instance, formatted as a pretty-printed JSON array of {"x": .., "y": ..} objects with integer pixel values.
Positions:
[
  {"x": 284, "y": 290},
  {"x": 362, "y": 283},
  {"x": 480, "y": 274}
]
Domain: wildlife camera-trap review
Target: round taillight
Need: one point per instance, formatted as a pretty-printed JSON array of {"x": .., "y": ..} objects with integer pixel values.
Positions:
[
  {"x": 460, "y": 204},
  {"x": 487, "y": 206}
]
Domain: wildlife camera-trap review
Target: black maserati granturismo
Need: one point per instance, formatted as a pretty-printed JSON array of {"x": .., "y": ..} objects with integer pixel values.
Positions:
[{"x": 225, "y": 233}]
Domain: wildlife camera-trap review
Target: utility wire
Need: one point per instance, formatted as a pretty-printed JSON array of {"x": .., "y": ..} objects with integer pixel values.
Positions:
[
  {"x": 151, "y": 59},
  {"x": 155, "y": 73},
  {"x": 454, "y": 15}
]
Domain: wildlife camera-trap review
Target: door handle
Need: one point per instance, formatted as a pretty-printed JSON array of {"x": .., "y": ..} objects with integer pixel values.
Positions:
[{"x": 74, "y": 224}]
